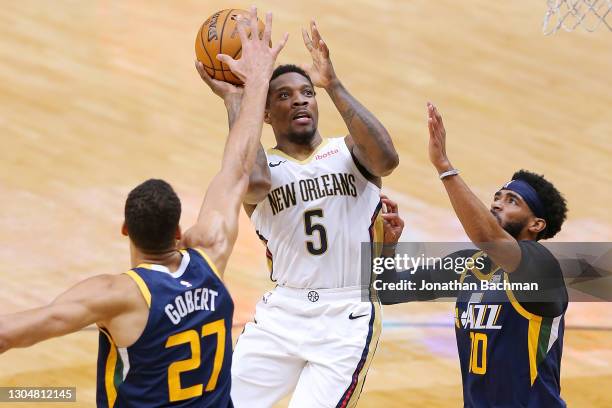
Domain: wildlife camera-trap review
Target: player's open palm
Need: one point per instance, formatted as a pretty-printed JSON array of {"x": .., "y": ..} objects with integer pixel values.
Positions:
[
  {"x": 258, "y": 57},
  {"x": 437, "y": 137},
  {"x": 321, "y": 71}
]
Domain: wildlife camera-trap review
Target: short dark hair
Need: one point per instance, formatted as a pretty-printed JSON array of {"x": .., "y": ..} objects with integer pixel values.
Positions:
[
  {"x": 152, "y": 213},
  {"x": 286, "y": 68},
  {"x": 555, "y": 206}
]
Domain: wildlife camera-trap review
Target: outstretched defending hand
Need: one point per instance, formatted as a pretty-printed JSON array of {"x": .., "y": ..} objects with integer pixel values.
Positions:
[
  {"x": 437, "y": 139},
  {"x": 257, "y": 61},
  {"x": 321, "y": 71}
]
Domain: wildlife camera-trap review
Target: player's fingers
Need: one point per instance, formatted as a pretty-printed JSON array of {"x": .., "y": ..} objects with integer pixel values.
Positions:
[
  {"x": 281, "y": 44},
  {"x": 241, "y": 27},
  {"x": 430, "y": 125},
  {"x": 437, "y": 114},
  {"x": 439, "y": 117},
  {"x": 253, "y": 22},
  {"x": 307, "y": 41},
  {"x": 203, "y": 73},
  {"x": 391, "y": 217},
  {"x": 267, "y": 36},
  {"x": 226, "y": 59},
  {"x": 430, "y": 111},
  {"x": 323, "y": 47},
  {"x": 392, "y": 205},
  {"x": 316, "y": 37},
  {"x": 200, "y": 68}
]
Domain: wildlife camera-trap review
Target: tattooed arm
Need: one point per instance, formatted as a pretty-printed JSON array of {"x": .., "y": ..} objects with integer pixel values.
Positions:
[{"x": 368, "y": 141}]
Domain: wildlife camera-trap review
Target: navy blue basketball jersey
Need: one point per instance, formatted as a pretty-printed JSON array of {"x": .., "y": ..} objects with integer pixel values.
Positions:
[
  {"x": 184, "y": 355},
  {"x": 509, "y": 357}
]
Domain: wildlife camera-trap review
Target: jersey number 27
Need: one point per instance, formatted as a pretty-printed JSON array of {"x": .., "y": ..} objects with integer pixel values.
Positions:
[{"x": 192, "y": 337}]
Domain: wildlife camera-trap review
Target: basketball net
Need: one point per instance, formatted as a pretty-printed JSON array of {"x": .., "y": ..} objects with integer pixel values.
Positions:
[{"x": 569, "y": 14}]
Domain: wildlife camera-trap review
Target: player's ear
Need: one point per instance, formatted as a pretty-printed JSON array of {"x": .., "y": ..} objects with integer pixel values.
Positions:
[
  {"x": 178, "y": 233},
  {"x": 537, "y": 225},
  {"x": 124, "y": 230},
  {"x": 267, "y": 116}
]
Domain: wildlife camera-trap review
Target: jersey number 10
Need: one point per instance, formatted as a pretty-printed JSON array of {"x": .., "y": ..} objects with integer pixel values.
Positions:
[
  {"x": 478, "y": 352},
  {"x": 310, "y": 228}
]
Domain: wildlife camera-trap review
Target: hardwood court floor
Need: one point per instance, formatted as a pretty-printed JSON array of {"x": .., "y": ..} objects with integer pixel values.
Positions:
[{"x": 97, "y": 96}]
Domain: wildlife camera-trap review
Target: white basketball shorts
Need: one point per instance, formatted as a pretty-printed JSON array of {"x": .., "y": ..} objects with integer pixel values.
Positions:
[{"x": 318, "y": 342}]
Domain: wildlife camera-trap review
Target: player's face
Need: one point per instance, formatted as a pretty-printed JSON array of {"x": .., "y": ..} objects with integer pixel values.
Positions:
[
  {"x": 511, "y": 212},
  {"x": 292, "y": 108}
]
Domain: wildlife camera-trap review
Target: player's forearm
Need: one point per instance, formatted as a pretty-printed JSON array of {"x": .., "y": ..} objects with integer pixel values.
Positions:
[
  {"x": 232, "y": 104},
  {"x": 29, "y": 327},
  {"x": 477, "y": 221},
  {"x": 244, "y": 136},
  {"x": 369, "y": 135},
  {"x": 259, "y": 180}
]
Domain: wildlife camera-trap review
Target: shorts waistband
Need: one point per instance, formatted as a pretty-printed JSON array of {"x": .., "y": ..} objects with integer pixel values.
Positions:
[{"x": 324, "y": 295}]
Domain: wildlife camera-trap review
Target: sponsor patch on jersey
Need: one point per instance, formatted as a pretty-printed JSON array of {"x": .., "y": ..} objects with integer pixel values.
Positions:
[{"x": 326, "y": 154}]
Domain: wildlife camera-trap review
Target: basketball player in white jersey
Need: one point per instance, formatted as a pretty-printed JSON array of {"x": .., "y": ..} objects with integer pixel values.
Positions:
[{"x": 313, "y": 202}]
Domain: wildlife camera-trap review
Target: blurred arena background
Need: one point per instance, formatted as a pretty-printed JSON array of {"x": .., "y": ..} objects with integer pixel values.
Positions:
[{"x": 97, "y": 96}]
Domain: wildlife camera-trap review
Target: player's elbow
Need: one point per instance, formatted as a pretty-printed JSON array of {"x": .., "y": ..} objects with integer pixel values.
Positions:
[
  {"x": 386, "y": 164},
  {"x": 258, "y": 189},
  {"x": 5, "y": 342},
  {"x": 391, "y": 163},
  {"x": 490, "y": 240}
]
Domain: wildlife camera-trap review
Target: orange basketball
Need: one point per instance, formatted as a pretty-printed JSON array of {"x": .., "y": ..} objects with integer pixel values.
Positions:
[{"x": 219, "y": 35}]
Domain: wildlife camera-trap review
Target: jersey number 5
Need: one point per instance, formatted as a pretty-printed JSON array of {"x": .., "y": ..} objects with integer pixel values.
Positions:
[
  {"x": 192, "y": 337},
  {"x": 310, "y": 228}
]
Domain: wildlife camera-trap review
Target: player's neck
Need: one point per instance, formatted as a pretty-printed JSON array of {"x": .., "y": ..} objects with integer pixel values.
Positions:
[
  {"x": 171, "y": 258},
  {"x": 300, "y": 151}
]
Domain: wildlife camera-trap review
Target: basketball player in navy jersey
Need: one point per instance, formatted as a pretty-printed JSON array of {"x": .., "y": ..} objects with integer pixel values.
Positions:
[
  {"x": 509, "y": 342},
  {"x": 313, "y": 201},
  {"x": 165, "y": 325}
]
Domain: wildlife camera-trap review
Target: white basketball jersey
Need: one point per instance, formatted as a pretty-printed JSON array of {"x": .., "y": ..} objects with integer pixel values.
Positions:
[{"x": 316, "y": 216}]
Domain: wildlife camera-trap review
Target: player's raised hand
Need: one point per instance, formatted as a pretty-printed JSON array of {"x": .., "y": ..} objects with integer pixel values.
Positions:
[
  {"x": 223, "y": 89},
  {"x": 321, "y": 71},
  {"x": 258, "y": 57},
  {"x": 393, "y": 225},
  {"x": 437, "y": 139}
]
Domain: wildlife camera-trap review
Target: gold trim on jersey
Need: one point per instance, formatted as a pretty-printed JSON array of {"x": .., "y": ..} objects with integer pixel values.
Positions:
[
  {"x": 109, "y": 371},
  {"x": 277, "y": 152},
  {"x": 378, "y": 235},
  {"x": 376, "y": 329},
  {"x": 477, "y": 273},
  {"x": 209, "y": 261},
  {"x": 533, "y": 331},
  {"x": 146, "y": 294},
  {"x": 517, "y": 306}
]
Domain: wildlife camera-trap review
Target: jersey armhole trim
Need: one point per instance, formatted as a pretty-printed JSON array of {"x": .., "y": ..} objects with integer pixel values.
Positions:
[
  {"x": 109, "y": 368},
  {"x": 352, "y": 158},
  {"x": 210, "y": 263},
  {"x": 517, "y": 306},
  {"x": 144, "y": 290}
]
